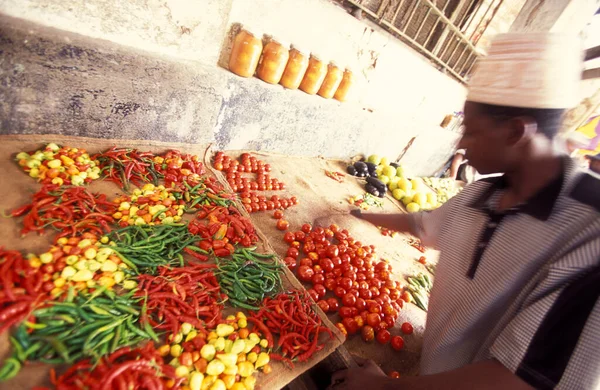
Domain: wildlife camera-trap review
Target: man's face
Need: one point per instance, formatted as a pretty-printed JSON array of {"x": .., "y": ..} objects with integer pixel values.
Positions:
[
  {"x": 595, "y": 166},
  {"x": 486, "y": 141}
]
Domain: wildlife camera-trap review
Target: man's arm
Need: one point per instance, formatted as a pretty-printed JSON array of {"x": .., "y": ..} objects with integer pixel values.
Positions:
[
  {"x": 404, "y": 223},
  {"x": 457, "y": 160}
]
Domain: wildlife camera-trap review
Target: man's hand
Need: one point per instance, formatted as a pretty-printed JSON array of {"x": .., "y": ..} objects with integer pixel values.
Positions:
[
  {"x": 367, "y": 376},
  {"x": 357, "y": 213}
]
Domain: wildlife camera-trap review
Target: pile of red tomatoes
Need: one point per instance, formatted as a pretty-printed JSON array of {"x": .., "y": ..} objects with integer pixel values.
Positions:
[
  {"x": 233, "y": 172},
  {"x": 346, "y": 278}
]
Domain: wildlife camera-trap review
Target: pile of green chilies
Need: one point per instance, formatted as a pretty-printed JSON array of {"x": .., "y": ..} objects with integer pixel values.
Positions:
[
  {"x": 248, "y": 277},
  {"x": 202, "y": 194},
  {"x": 418, "y": 287},
  {"x": 87, "y": 325},
  {"x": 145, "y": 247}
]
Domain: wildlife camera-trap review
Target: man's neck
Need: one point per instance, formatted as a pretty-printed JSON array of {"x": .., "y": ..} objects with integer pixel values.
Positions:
[{"x": 533, "y": 175}]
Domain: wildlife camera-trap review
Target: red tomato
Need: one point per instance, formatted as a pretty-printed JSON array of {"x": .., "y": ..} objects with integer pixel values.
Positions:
[
  {"x": 406, "y": 296},
  {"x": 367, "y": 333},
  {"x": 394, "y": 374},
  {"x": 339, "y": 291},
  {"x": 337, "y": 261},
  {"x": 293, "y": 252},
  {"x": 354, "y": 292},
  {"x": 282, "y": 224},
  {"x": 350, "y": 325},
  {"x": 318, "y": 279},
  {"x": 383, "y": 336},
  {"x": 361, "y": 304},
  {"x": 360, "y": 277},
  {"x": 374, "y": 291},
  {"x": 290, "y": 262},
  {"x": 373, "y": 319},
  {"x": 320, "y": 289},
  {"x": 394, "y": 294},
  {"x": 306, "y": 261},
  {"x": 359, "y": 321},
  {"x": 317, "y": 268},
  {"x": 48, "y": 286},
  {"x": 48, "y": 269},
  {"x": 295, "y": 244},
  {"x": 324, "y": 306},
  {"x": 407, "y": 328},
  {"x": 306, "y": 228},
  {"x": 397, "y": 343},
  {"x": 423, "y": 260},
  {"x": 305, "y": 273},
  {"x": 346, "y": 283},
  {"x": 365, "y": 293},
  {"x": 300, "y": 236},
  {"x": 334, "y": 305},
  {"x": 333, "y": 251},
  {"x": 388, "y": 310},
  {"x": 348, "y": 300},
  {"x": 345, "y": 312},
  {"x": 329, "y": 284},
  {"x": 373, "y": 306},
  {"x": 313, "y": 294},
  {"x": 326, "y": 264},
  {"x": 337, "y": 272}
]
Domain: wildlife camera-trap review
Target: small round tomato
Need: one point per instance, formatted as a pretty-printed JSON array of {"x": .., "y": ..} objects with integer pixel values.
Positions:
[
  {"x": 359, "y": 321},
  {"x": 278, "y": 214},
  {"x": 333, "y": 251},
  {"x": 334, "y": 305},
  {"x": 394, "y": 374},
  {"x": 374, "y": 291},
  {"x": 360, "y": 304},
  {"x": 318, "y": 279},
  {"x": 326, "y": 264},
  {"x": 296, "y": 244},
  {"x": 397, "y": 343},
  {"x": 329, "y": 284},
  {"x": 305, "y": 273},
  {"x": 407, "y": 328},
  {"x": 346, "y": 312},
  {"x": 346, "y": 283},
  {"x": 339, "y": 291},
  {"x": 373, "y": 319},
  {"x": 317, "y": 268},
  {"x": 292, "y": 252},
  {"x": 405, "y": 296},
  {"x": 313, "y": 294},
  {"x": 354, "y": 292},
  {"x": 367, "y": 333},
  {"x": 306, "y": 228},
  {"x": 394, "y": 294},
  {"x": 351, "y": 325},
  {"x": 337, "y": 261},
  {"x": 290, "y": 262},
  {"x": 348, "y": 300},
  {"x": 323, "y": 305},
  {"x": 282, "y": 224},
  {"x": 365, "y": 293},
  {"x": 383, "y": 336},
  {"x": 48, "y": 269},
  {"x": 337, "y": 272},
  {"x": 48, "y": 286},
  {"x": 388, "y": 310},
  {"x": 423, "y": 260},
  {"x": 300, "y": 236},
  {"x": 373, "y": 306},
  {"x": 306, "y": 261},
  {"x": 320, "y": 289}
]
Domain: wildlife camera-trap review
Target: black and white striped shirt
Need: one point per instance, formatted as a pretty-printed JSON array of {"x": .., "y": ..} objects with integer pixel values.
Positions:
[{"x": 519, "y": 286}]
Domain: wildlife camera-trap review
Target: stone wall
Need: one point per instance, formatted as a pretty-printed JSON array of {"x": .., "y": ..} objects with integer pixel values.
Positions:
[{"x": 145, "y": 69}]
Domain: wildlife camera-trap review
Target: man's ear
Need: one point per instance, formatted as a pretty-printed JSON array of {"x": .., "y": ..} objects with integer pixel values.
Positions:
[{"x": 521, "y": 129}]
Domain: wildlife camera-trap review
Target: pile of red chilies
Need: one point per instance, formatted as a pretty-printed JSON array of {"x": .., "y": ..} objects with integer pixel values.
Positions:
[
  {"x": 178, "y": 168},
  {"x": 21, "y": 288},
  {"x": 125, "y": 166},
  {"x": 67, "y": 209},
  {"x": 291, "y": 316},
  {"x": 141, "y": 368},
  {"x": 222, "y": 223},
  {"x": 184, "y": 294}
]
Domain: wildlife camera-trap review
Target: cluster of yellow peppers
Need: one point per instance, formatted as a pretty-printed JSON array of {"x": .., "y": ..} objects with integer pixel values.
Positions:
[
  {"x": 227, "y": 361},
  {"x": 151, "y": 205}
]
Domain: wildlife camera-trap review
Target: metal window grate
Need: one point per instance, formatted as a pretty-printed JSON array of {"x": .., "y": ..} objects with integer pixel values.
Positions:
[{"x": 445, "y": 31}]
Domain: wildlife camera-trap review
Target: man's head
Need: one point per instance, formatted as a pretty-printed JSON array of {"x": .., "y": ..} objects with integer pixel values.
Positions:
[
  {"x": 498, "y": 137},
  {"x": 516, "y": 97},
  {"x": 594, "y": 163}
]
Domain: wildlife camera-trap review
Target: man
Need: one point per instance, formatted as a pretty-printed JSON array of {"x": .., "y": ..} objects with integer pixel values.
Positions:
[
  {"x": 515, "y": 297},
  {"x": 594, "y": 162}
]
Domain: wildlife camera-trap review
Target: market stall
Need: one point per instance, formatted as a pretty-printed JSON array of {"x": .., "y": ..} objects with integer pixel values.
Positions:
[{"x": 318, "y": 198}]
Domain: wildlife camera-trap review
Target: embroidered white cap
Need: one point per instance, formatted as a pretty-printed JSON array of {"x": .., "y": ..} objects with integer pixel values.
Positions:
[{"x": 534, "y": 70}]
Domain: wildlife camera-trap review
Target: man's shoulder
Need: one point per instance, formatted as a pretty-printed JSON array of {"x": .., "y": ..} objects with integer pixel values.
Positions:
[{"x": 586, "y": 190}]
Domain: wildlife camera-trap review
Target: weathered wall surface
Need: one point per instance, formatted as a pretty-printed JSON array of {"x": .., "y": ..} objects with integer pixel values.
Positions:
[{"x": 156, "y": 67}]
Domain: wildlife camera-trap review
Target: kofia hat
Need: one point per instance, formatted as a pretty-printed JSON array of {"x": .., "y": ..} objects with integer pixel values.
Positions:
[{"x": 534, "y": 70}]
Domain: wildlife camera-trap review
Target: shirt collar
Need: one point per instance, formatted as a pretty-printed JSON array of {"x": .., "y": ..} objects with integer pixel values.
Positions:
[{"x": 538, "y": 206}]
